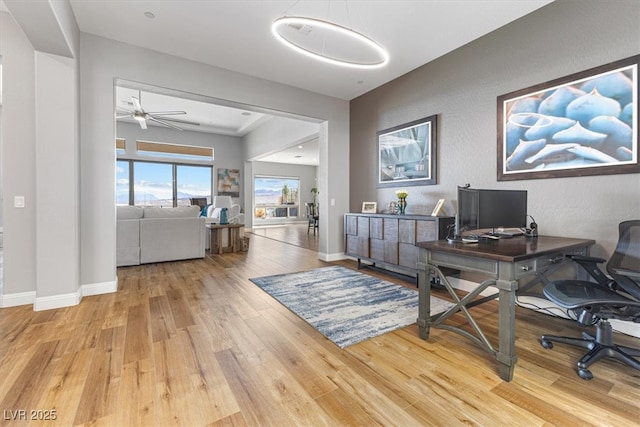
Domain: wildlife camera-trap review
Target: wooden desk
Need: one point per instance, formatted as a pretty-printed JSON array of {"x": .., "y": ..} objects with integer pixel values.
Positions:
[
  {"x": 505, "y": 261},
  {"x": 215, "y": 243}
]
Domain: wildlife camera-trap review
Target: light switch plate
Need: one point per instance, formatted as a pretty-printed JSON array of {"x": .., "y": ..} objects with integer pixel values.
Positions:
[{"x": 18, "y": 201}]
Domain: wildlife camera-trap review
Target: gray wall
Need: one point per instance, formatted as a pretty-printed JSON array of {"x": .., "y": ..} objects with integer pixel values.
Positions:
[{"x": 561, "y": 38}]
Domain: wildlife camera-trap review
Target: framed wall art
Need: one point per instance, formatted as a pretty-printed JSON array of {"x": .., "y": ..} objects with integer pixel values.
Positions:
[
  {"x": 407, "y": 154},
  {"x": 582, "y": 124},
  {"x": 229, "y": 182}
]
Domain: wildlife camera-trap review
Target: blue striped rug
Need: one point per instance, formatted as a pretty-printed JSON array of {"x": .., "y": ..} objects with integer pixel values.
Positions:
[{"x": 344, "y": 305}]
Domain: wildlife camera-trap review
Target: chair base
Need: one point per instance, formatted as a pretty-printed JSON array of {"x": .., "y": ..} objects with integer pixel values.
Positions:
[{"x": 600, "y": 346}]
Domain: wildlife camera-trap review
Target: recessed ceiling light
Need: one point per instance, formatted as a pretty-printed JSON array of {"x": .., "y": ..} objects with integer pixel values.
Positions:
[
  {"x": 246, "y": 113},
  {"x": 298, "y": 156},
  {"x": 299, "y": 146},
  {"x": 150, "y": 15}
]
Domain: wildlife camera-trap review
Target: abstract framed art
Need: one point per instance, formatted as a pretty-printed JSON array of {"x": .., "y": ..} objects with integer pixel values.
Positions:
[
  {"x": 582, "y": 124},
  {"x": 407, "y": 154},
  {"x": 229, "y": 182}
]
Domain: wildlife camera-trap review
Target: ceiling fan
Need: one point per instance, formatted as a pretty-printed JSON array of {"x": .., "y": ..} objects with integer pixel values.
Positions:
[{"x": 141, "y": 116}]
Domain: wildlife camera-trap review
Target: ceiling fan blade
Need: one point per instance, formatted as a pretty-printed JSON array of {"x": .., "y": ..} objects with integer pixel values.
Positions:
[
  {"x": 186, "y": 122},
  {"x": 143, "y": 124},
  {"x": 136, "y": 104},
  {"x": 165, "y": 113},
  {"x": 123, "y": 116},
  {"x": 163, "y": 122}
]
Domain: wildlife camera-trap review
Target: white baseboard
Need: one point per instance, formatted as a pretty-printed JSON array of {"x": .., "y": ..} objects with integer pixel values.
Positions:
[
  {"x": 543, "y": 305},
  {"x": 331, "y": 257},
  {"x": 58, "y": 301},
  {"x": 100, "y": 288},
  {"x": 20, "y": 298}
]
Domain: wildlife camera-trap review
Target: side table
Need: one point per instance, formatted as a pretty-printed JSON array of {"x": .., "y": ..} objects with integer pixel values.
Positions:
[{"x": 215, "y": 244}]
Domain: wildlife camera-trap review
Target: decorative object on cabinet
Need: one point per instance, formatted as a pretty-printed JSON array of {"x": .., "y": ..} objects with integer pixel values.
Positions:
[
  {"x": 407, "y": 154},
  {"x": 438, "y": 208},
  {"x": 369, "y": 207},
  {"x": 578, "y": 125}
]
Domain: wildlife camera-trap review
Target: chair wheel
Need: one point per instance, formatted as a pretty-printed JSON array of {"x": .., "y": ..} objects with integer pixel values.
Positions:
[
  {"x": 546, "y": 344},
  {"x": 585, "y": 374}
]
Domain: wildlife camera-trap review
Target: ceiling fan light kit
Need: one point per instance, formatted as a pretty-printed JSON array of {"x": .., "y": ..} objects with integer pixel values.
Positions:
[{"x": 329, "y": 42}]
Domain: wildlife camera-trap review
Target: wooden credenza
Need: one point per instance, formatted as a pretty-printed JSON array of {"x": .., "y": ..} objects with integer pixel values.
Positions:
[{"x": 389, "y": 241}]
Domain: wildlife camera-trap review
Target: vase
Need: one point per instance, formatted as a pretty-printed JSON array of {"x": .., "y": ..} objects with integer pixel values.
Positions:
[{"x": 402, "y": 205}]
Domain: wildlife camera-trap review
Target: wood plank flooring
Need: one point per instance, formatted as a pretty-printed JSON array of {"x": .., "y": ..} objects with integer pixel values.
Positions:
[{"x": 195, "y": 343}]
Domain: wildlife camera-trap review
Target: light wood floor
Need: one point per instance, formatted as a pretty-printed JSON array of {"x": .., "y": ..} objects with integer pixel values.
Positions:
[
  {"x": 196, "y": 343},
  {"x": 293, "y": 234}
]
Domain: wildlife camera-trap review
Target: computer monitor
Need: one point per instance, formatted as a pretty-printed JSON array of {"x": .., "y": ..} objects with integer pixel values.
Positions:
[
  {"x": 502, "y": 209},
  {"x": 491, "y": 209}
]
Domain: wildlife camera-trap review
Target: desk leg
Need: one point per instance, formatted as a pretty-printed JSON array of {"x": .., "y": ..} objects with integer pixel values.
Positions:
[
  {"x": 506, "y": 355},
  {"x": 424, "y": 302}
]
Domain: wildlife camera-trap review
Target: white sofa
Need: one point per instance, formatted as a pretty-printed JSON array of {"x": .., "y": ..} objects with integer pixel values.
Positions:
[{"x": 152, "y": 234}]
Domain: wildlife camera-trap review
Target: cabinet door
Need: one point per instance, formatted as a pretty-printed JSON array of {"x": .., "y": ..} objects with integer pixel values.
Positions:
[
  {"x": 376, "y": 249},
  {"x": 408, "y": 255},
  {"x": 390, "y": 252},
  {"x": 390, "y": 230},
  {"x": 376, "y": 228},
  {"x": 363, "y": 227},
  {"x": 426, "y": 231},
  {"x": 352, "y": 225},
  {"x": 407, "y": 231}
]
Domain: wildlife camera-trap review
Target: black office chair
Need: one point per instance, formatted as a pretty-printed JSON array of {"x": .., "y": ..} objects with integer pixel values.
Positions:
[
  {"x": 312, "y": 217},
  {"x": 617, "y": 297}
]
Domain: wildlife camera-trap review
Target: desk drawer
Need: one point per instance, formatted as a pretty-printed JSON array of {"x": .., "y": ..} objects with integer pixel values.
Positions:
[
  {"x": 460, "y": 262},
  {"x": 536, "y": 264}
]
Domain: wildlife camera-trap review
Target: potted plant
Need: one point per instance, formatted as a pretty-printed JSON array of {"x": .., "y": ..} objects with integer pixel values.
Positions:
[
  {"x": 315, "y": 192},
  {"x": 285, "y": 194}
]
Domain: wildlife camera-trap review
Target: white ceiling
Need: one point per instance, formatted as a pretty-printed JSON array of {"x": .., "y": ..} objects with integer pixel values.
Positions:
[{"x": 236, "y": 35}]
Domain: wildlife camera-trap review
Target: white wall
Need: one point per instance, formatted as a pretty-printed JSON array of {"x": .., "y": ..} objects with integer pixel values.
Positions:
[
  {"x": 104, "y": 60},
  {"x": 462, "y": 87},
  {"x": 40, "y": 162}
]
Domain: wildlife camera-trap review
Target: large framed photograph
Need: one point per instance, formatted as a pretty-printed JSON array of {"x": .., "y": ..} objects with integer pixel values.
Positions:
[
  {"x": 407, "y": 154},
  {"x": 578, "y": 125}
]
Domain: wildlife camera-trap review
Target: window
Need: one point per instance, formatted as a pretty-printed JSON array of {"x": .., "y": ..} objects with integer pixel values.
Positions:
[
  {"x": 184, "y": 152},
  {"x": 143, "y": 183},
  {"x": 152, "y": 184},
  {"x": 122, "y": 182},
  {"x": 276, "y": 197}
]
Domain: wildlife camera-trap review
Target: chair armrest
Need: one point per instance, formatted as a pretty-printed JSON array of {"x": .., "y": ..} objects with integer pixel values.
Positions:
[
  {"x": 590, "y": 265},
  {"x": 625, "y": 272},
  {"x": 579, "y": 258}
]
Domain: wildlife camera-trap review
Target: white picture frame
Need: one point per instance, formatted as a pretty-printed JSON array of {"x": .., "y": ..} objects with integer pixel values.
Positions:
[
  {"x": 438, "y": 208},
  {"x": 369, "y": 207}
]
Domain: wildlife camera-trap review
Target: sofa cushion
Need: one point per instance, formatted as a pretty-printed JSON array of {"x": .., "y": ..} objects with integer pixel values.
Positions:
[
  {"x": 179, "y": 212},
  {"x": 129, "y": 212}
]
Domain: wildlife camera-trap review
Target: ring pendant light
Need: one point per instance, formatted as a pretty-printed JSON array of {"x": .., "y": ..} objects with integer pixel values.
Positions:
[{"x": 298, "y": 33}]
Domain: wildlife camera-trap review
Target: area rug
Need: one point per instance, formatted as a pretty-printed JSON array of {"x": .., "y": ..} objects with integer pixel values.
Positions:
[{"x": 347, "y": 306}]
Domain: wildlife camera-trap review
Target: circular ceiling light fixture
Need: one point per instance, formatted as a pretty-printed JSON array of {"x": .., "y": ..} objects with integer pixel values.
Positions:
[{"x": 329, "y": 42}]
